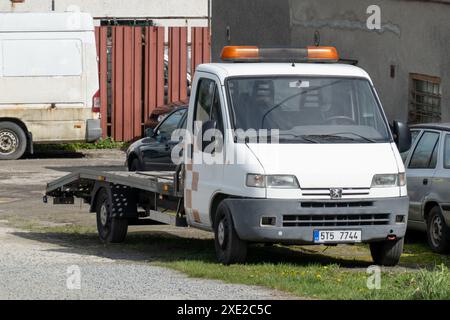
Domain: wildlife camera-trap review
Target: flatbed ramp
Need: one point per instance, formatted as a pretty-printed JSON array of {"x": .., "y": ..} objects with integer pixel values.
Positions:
[
  {"x": 158, "y": 184},
  {"x": 163, "y": 182}
]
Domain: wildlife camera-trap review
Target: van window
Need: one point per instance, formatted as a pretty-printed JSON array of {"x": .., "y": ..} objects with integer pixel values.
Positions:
[
  {"x": 425, "y": 154},
  {"x": 40, "y": 58},
  {"x": 208, "y": 103},
  {"x": 205, "y": 95},
  {"x": 305, "y": 109}
]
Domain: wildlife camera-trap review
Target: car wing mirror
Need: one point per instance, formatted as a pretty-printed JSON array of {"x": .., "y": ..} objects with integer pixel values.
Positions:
[
  {"x": 402, "y": 136},
  {"x": 149, "y": 132}
]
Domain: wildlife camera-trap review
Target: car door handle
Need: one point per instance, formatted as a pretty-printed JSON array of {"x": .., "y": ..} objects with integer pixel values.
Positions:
[{"x": 425, "y": 181}]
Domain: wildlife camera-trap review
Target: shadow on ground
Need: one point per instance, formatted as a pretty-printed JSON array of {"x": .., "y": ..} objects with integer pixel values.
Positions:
[
  {"x": 55, "y": 154},
  {"x": 159, "y": 246}
]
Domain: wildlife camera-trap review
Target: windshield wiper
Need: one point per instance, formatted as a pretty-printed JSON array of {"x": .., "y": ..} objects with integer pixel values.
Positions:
[
  {"x": 302, "y": 137},
  {"x": 355, "y": 134},
  {"x": 337, "y": 136}
]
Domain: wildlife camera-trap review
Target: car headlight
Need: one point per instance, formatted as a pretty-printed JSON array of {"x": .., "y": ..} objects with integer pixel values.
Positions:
[
  {"x": 389, "y": 180},
  {"x": 272, "y": 181}
]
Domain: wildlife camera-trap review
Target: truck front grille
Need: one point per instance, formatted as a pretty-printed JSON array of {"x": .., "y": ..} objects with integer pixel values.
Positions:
[
  {"x": 320, "y": 220},
  {"x": 336, "y": 204}
]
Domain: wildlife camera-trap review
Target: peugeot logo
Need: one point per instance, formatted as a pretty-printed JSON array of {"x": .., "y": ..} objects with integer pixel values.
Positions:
[{"x": 335, "y": 193}]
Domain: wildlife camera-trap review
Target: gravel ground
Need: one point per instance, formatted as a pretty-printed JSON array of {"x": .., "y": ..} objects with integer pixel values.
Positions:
[
  {"x": 35, "y": 270},
  {"x": 36, "y": 267}
]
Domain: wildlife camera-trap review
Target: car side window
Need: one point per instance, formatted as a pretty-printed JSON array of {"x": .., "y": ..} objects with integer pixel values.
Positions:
[
  {"x": 169, "y": 125},
  {"x": 184, "y": 122},
  {"x": 447, "y": 151},
  {"x": 414, "y": 134},
  {"x": 425, "y": 154}
]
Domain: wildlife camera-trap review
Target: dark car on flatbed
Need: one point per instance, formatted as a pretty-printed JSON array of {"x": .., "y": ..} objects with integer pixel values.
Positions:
[{"x": 153, "y": 152}]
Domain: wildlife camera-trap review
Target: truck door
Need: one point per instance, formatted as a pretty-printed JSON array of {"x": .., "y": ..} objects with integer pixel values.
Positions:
[
  {"x": 420, "y": 172},
  {"x": 203, "y": 179}
]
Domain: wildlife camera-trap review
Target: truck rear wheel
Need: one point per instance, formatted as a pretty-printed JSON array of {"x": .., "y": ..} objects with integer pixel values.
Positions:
[
  {"x": 110, "y": 230},
  {"x": 387, "y": 253},
  {"x": 438, "y": 233},
  {"x": 13, "y": 141},
  {"x": 230, "y": 248}
]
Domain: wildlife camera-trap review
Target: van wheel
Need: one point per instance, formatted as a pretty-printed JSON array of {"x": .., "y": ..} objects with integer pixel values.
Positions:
[
  {"x": 110, "y": 230},
  {"x": 13, "y": 141},
  {"x": 438, "y": 233},
  {"x": 387, "y": 253},
  {"x": 230, "y": 248}
]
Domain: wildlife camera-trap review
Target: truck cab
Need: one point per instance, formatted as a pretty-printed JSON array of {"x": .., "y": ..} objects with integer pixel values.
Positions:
[{"x": 297, "y": 151}]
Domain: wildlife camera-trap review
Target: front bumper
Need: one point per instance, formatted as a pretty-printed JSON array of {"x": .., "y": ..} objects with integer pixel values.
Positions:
[
  {"x": 310, "y": 215},
  {"x": 93, "y": 130}
]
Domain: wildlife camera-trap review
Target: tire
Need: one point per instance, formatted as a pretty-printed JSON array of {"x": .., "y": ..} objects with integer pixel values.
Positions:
[
  {"x": 13, "y": 141},
  {"x": 135, "y": 165},
  {"x": 387, "y": 253},
  {"x": 438, "y": 233},
  {"x": 230, "y": 249},
  {"x": 110, "y": 230}
]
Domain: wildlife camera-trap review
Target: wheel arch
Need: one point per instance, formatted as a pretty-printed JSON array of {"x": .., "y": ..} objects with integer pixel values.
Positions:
[
  {"x": 217, "y": 198},
  {"x": 17, "y": 121},
  {"x": 429, "y": 204},
  {"x": 95, "y": 193},
  {"x": 132, "y": 156}
]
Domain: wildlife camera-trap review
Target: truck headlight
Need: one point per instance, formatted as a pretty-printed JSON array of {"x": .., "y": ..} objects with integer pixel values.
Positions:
[
  {"x": 388, "y": 180},
  {"x": 272, "y": 181}
]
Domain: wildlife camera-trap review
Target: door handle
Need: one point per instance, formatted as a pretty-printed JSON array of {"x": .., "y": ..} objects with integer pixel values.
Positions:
[{"x": 425, "y": 181}]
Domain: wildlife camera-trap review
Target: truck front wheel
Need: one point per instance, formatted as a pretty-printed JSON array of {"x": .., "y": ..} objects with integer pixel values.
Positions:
[
  {"x": 387, "y": 253},
  {"x": 230, "y": 248},
  {"x": 110, "y": 230},
  {"x": 13, "y": 141}
]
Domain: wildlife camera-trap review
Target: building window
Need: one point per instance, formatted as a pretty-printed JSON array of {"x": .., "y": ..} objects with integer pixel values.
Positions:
[{"x": 425, "y": 99}]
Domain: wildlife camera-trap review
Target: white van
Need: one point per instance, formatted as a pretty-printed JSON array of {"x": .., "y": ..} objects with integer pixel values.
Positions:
[
  {"x": 49, "y": 89},
  {"x": 332, "y": 176}
]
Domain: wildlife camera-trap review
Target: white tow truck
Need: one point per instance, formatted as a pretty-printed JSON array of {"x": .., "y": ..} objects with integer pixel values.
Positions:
[{"x": 281, "y": 146}]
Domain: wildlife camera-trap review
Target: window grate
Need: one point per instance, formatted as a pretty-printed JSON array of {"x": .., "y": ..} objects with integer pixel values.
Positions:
[{"x": 425, "y": 99}]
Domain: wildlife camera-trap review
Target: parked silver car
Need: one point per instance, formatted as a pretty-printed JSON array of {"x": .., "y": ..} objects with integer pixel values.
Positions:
[{"x": 428, "y": 175}]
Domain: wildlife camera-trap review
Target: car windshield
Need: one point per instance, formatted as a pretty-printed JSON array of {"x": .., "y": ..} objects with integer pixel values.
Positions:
[{"x": 307, "y": 109}]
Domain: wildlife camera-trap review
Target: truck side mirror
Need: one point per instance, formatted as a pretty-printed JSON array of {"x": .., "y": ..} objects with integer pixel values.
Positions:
[
  {"x": 402, "y": 136},
  {"x": 207, "y": 125}
]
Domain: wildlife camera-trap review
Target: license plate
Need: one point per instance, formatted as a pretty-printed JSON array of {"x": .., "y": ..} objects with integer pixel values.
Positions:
[{"x": 333, "y": 236}]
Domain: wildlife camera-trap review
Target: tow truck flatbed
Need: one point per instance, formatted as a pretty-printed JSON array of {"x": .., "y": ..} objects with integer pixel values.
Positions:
[
  {"x": 162, "y": 190},
  {"x": 162, "y": 182}
]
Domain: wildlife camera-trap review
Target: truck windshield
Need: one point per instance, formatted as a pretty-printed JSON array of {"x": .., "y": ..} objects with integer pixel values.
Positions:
[{"x": 307, "y": 109}]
